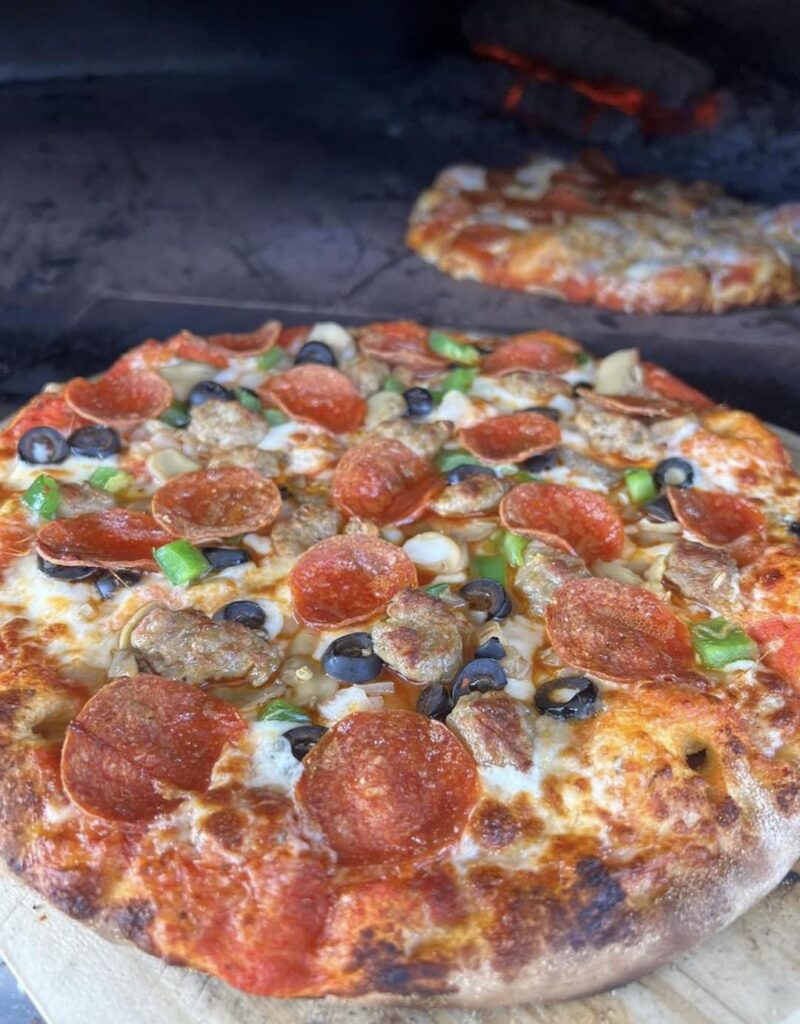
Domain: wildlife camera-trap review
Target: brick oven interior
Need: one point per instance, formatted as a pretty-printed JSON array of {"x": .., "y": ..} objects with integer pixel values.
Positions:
[{"x": 206, "y": 166}]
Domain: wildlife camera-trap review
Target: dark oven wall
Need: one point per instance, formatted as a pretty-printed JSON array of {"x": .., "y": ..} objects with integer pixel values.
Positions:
[{"x": 206, "y": 165}]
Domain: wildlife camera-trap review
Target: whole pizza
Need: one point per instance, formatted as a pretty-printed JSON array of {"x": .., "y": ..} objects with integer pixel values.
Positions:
[
  {"x": 398, "y": 663},
  {"x": 582, "y": 232}
]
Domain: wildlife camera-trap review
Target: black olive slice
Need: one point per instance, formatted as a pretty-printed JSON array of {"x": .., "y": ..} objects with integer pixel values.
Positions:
[
  {"x": 487, "y": 596},
  {"x": 794, "y": 527},
  {"x": 303, "y": 738},
  {"x": 209, "y": 391},
  {"x": 94, "y": 441},
  {"x": 581, "y": 385},
  {"x": 351, "y": 659},
  {"x": 315, "y": 352},
  {"x": 109, "y": 582},
  {"x": 42, "y": 446},
  {"x": 434, "y": 702},
  {"x": 567, "y": 697},
  {"x": 69, "y": 573},
  {"x": 419, "y": 401},
  {"x": 465, "y": 470},
  {"x": 479, "y": 676},
  {"x": 541, "y": 463},
  {"x": 545, "y": 410},
  {"x": 659, "y": 510},
  {"x": 674, "y": 472},
  {"x": 224, "y": 558},
  {"x": 248, "y": 613},
  {"x": 492, "y": 648}
]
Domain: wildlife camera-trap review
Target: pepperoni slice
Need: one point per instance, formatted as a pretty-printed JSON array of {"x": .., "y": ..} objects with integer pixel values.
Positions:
[
  {"x": 385, "y": 786},
  {"x": 118, "y": 538},
  {"x": 510, "y": 438},
  {"x": 383, "y": 481},
  {"x": 213, "y": 503},
  {"x": 45, "y": 410},
  {"x": 16, "y": 533},
  {"x": 584, "y": 519},
  {"x": 739, "y": 441},
  {"x": 715, "y": 517},
  {"x": 138, "y": 735},
  {"x": 657, "y": 379},
  {"x": 618, "y": 632},
  {"x": 401, "y": 343},
  {"x": 534, "y": 351},
  {"x": 347, "y": 579},
  {"x": 779, "y": 640},
  {"x": 254, "y": 343},
  {"x": 317, "y": 394},
  {"x": 636, "y": 405},
  {"x": 292, "y": 339},
  {"x": 120, "y": 398},
  {"x": 185, "y": 345}
]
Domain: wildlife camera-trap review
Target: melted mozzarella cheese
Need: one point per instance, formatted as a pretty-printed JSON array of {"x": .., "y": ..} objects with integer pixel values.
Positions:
[
  {"x": 347, "y": 701},
  {"x": 272, "y": 762},
  {"x": 505, "y": 399},
  {"x": 457, "y": 408},
  {"x": 306, "y": 446},
  {"x": 20, "y": 475}
]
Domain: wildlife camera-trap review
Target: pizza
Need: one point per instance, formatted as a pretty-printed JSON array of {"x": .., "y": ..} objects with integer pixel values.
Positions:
[
  {"x": 582, "y": 232},
  {"x": 398, "y": 664}
]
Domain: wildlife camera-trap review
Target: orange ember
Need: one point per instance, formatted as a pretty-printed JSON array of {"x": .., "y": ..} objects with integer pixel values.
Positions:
[{"x": 629, "y": 100}]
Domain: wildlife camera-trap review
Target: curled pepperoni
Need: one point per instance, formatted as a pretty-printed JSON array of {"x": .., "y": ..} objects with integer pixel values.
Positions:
[
  {"x": 715, "y": 517},
  {"x": 534, "y": 351},
  {"x": 510, "y": 438},
  {"x": 120, "y": 398},
  {"x": 618, "y": 632},
  {"x": 45, "y": 410},
  {"x": 254, "y": 343},
  {"x": 292, "y": 339},
  {"x": 636, "y": 405},
  {"x": 383, "y": 481},
  {"x": 348, "y": 579},
  {"x": 388, "y": 785},
  {"x": 213, "y": 503},
  {"x": 16, "y": 533},
  {"x": 584, "y": 519},
  {"x": 401, "y": 343},
  {"x": 317, "y": 394},
  {"x": 185, "y": 345},
  {"x": 657, "y": 379},
  {"x": 118, "y": 538},
  {"x": 139, "y": 739}
]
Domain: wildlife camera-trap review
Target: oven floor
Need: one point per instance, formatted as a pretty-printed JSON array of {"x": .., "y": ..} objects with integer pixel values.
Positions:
[{"x": 133, "y": 207}]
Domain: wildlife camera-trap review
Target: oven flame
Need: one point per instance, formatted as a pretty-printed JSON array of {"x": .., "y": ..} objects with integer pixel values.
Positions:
[{"x": 654, "y": 117}]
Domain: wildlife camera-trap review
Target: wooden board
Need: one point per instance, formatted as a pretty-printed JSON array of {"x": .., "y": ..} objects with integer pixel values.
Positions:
[{"x": 748, "y": 974}]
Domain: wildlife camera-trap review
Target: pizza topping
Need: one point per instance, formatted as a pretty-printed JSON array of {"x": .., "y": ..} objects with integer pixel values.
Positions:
[
  {"x": 209, "y": 391},
  {"x": 419, "y": 401},
  {"x": 44, "y": 410},
  {"x": 453, "y": 350},
  {"x": 94, "y": 441},
  {"x": 667, "y": 384},
  {"x": 541, "y": 463},
  {"x": 618, "y": 632},
  {"x": 487, "y": 597},
  {"x": 779, "y": 638},
  {"x": 43, "y": 497},
  {"x": 228, "y": 425},
  {"x": 674, "y": 472},
  {"x": 544, "y": 569},
  {"x": 118, "y": 538},
  {"x": 476, "y": 494},
  {"x": 716, "y": 517},
  {"x": 315, "y": 352},
  {"x": 640, "y": 485},
  {"x": 580, "y": 521},
  {"x": 437, "y": 553},
  {"x": 219, "y": 502},
  {"x": 224, "y": 558},
  {"x": 510, "y": 438},
  {"x": 78, "y": 499},
  {"x": 401, "y": 343},
  {"x": 138, "y": 740},
  {"x": 567, "y": 697},
  {"x": 68, "y": 573},
  {"x": 384, "y": 482},
  {"x": 303, "y": 738},
  {"x": 419, "y": 638},
  {"x": 306, "y": 526},
  {"x": 42, "y": 446},
  {"x": 190, "y": 646},
  {"x": 462, "y": 471},
  {"x": 248, "y": 613},
  {"x": 533, "y": 351},
  {"x": 352, "y": 659},
  {"x": 374, "y": 790},
  {"x": 434, "y": 702},
  {"x": 424, "y": 439},
  {"x": 108, "y": 583},
  {"x": 347, "y": 579},
  {"x": 498, "y": 731},
  {"x": 177, "y": 416},
  {"x": 181, "y": 562},
  {"x": 491, "y": 648},
  {"x": 636, "y": 405},
  {"x": 720, "y": 644},
  {"x": 252, "y": 343},
  {"x": 659, "y": 510},
  {"x": 706, "y": 575},
  {"x": 319, "y": 395},
  {"x": 120, "y": 398},
  {"x": 481, "y": 675}
]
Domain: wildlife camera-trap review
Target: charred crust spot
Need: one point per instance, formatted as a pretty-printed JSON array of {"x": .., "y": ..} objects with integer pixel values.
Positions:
[
  {"x": 76, "y": 894},
  {"x": 727, "y": 812},
  {"x": 598, "y": 901},
  {"x": 495, "y": 825},
  {"x": 788, "y": 798},
  {"x": 387, "y": 969},
  {"x": 133, "y": 921}
]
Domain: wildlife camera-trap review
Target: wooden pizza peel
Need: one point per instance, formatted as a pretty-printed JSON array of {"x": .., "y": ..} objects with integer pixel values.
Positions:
[{"x": 748, "y": 974}]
